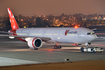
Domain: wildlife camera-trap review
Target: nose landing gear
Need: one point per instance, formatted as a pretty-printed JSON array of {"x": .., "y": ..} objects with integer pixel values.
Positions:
[{"x": 87, "y": 44}]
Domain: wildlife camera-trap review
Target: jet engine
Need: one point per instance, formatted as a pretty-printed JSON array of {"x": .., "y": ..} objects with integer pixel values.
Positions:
[{"x": 34, "y": 43}]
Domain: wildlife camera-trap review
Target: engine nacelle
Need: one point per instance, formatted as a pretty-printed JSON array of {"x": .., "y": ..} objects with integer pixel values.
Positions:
[{"x": 34, "y": 43}]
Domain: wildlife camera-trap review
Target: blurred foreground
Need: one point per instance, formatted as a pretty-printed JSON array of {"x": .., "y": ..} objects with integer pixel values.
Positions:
[{"x": 77, "y": 65}]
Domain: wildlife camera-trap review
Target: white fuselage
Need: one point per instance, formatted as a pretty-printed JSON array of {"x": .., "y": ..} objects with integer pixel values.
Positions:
[
  {"x": 59, "y": 35},
  {"x": 35, "y": 36}
]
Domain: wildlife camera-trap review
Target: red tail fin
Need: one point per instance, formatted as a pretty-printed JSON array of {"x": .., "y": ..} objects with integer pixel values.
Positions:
[{"x": 13, "y": 22}]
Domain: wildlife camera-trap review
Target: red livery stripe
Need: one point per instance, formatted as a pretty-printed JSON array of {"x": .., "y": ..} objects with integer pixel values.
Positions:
[{"x": 33, "y": 43}]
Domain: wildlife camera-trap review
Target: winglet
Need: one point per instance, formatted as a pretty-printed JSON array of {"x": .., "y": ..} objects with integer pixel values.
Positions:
[{"x": 13, "y": 22}]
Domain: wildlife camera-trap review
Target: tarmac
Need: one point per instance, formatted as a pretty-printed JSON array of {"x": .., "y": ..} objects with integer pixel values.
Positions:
[{"x": 15, "y": 52}]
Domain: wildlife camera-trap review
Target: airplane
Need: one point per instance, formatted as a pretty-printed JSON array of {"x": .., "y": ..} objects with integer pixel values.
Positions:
[{"x": 36, "y": 36}]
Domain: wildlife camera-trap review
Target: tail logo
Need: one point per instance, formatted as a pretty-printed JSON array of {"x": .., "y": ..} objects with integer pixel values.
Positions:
[{"x": 13, "y": 22}]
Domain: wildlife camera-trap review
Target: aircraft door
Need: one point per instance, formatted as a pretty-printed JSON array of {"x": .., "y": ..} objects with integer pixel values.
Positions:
[{"x": 79, "y": 34}]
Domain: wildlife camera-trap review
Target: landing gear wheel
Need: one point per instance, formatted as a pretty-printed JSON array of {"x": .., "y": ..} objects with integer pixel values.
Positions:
[
  {"x": 82, "y": 49},
  {"x": 93, "y": 51},
  {"x": 57, "y": 47},
  {"x": 60, "y": 46}
]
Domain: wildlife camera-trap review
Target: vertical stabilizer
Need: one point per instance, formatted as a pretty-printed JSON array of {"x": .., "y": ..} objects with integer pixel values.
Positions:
[{"x": 13, "y": 22}]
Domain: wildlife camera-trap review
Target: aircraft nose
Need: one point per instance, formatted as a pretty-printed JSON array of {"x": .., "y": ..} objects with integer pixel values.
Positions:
[{"x": 92, "y": 37}]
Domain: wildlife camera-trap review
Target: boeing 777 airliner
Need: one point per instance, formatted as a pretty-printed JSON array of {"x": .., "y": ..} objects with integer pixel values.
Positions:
[{"x": 35, "y": 36}]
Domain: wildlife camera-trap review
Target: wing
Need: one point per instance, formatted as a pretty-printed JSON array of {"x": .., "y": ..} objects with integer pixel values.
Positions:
[{"x": 2, "y": 33}]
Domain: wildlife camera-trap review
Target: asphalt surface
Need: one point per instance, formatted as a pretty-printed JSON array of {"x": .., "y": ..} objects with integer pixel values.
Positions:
[{"x": 15, "y": 52}]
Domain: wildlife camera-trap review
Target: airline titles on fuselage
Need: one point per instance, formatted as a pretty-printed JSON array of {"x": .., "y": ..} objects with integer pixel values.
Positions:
[
  {"x": 72, "y": 32},
  {"x": 68, "y": 32}
]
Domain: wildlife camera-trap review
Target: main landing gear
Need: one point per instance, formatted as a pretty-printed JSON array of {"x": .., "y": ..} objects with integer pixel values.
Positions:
[{"x": 57, "y": 47}]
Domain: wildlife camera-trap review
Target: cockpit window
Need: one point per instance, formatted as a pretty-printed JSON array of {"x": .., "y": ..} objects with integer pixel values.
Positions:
[{"x": 90, "y": 33}]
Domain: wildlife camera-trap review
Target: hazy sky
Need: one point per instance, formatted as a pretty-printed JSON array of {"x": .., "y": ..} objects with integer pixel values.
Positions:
[{"x": 55, "y": 7}]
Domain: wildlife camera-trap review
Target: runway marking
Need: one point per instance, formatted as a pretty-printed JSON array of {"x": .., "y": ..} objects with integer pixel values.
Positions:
[{"x": 11, "y": 61}]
